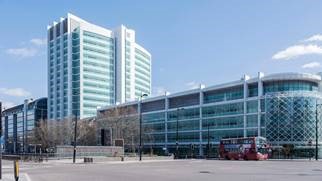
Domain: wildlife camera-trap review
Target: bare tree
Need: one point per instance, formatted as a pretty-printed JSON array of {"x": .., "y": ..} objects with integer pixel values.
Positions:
[
  {"x": 123, "y": 121},
  {"x": 86, "y": 134},
  {"x": 52, "y": 133}
]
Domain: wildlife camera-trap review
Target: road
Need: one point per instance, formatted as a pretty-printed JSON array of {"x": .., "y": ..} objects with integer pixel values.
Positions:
[{"x": 185, "y": 170}]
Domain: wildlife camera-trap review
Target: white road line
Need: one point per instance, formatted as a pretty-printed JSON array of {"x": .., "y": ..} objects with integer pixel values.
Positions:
[{"x": 27, "y": 177}]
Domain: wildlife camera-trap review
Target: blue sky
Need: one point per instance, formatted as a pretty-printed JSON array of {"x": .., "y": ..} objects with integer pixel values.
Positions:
[{"x": 191, "y": 41}]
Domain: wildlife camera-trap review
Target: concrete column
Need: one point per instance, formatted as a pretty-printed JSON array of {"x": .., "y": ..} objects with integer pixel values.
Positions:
[
  {"x": 24, "y": 132},
  {"x": 69, "y": 69},
  {"x": 166, "y": 107},
  {"x": 61, "y": 69},
  {"x": 260, "y": 94},
  {"x": 200, "y": 119},
  {"x": 55, "y": 73},
  {"x": 245, "y": 78},
  {"x": 81, "y": 82}
]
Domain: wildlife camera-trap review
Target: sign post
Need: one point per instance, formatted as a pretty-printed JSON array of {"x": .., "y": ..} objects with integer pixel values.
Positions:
[{"x": 16, "y": 169}]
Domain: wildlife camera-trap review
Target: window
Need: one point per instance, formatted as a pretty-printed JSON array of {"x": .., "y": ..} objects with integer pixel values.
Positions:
[
  {"x": 222, "y": 123},
  {"x": 252, "y": 121},
  {"x": 226, "y": 94},
  {"x": 291, "y": 85},
  {"x": 57, "y": 30},
  {"x": 252, "y": 106},
  {"x": 225, "y": 109},
  {"x": 252, "y": 90}
]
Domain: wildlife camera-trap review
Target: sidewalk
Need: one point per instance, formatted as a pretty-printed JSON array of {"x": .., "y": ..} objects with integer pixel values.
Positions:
[
  {"x": 108, "y": 160},
  {"x": 10, "y": 177}
]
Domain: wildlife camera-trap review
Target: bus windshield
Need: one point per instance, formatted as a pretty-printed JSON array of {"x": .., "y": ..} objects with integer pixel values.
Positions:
[{"x": 261, "y": 145}]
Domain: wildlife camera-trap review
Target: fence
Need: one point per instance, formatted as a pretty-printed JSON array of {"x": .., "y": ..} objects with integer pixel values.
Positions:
[{"x": 81, "y": 151}]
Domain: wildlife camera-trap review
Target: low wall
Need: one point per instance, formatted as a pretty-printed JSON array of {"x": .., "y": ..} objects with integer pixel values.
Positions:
[{"x": 110, "y": 151}]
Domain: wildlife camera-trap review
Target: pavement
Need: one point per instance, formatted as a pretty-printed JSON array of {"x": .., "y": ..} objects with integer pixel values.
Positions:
[{"x": 169, "y": 170}]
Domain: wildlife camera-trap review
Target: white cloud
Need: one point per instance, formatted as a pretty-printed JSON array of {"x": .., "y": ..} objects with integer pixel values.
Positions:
[
  {"x": 28, "y": 49},
  {"x": 158, "y": 91},
  {"x": 16, "y": 92},
  {"x": 316, "y": 37},
  {"x": 22, "y": 52},
  {"x": 7, "y": 104},
  {"x": 38, "y": 41},
  {"x": 311, "y": 65},
  {"x": 192, "y": 85},
  {"x": 297, "y": 50}
]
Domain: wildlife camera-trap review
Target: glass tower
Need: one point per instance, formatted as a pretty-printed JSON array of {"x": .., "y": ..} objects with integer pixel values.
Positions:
[{"x": 90, "y": 66}]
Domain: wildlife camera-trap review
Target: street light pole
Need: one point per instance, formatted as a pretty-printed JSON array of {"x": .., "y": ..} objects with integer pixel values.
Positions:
[
  {"x": 140, "y": 129},
  {"x": 75, "y": 134},
  {"x": 140, "y": 146},
  {"x": 177, "y": 134},
  {"x": 316, "y": 132},
  {"x": 208, "y": 133}
]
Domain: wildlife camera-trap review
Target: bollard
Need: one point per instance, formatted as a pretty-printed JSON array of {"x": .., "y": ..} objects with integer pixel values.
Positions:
[{"x": 16, "y": 169}]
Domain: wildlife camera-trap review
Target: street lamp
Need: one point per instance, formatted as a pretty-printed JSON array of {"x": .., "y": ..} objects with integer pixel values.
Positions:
[
  {"x": 140, "y": 119},
  {"x": 208, "y": 134},
  {"x": 75, "y": 134},
  {"x": 177, "y": 133},
  {"x": 316, "y": 131}
]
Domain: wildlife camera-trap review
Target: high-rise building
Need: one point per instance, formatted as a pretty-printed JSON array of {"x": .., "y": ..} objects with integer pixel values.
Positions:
[{"x": 90, "y": 66}]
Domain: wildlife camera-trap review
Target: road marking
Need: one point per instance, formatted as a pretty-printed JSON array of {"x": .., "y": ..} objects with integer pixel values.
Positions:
[{"x": 27, "y": 177}]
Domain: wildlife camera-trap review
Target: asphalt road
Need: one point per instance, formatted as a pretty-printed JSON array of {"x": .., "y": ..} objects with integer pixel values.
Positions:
[{"x": 185, "y": 170}]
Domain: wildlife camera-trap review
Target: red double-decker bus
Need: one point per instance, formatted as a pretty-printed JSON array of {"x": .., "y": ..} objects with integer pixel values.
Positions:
[{"x": 251, "y": 148}]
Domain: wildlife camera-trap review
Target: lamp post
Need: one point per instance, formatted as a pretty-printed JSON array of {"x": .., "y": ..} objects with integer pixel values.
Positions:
[
  {"x": 75, "y": 134},
  {"x": 177, "y": 133},
  {"x": 208, "y": 134},
  {"x": 140, "y": 129},
  {"x": 316, "y": 131}
]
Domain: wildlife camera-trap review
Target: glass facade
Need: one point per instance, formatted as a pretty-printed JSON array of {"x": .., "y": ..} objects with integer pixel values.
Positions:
[
  {"x": 291, "y": 85},
  {"x": 19, "y": 124},
  {"x": 283, "y": 111},
  {"x": 224, "y": 94},
  {"x": 98, "y": 72},
  {"x": 128, "y": 71},
  {"x": 142, "y": 73},
  {"x": 223, "y": 123},
  {"x": 291, "y": 117},
  {"x": 90, "y": 67},
  {"x": 76, "y": 72},
  {"x": 223, "y": 109}
]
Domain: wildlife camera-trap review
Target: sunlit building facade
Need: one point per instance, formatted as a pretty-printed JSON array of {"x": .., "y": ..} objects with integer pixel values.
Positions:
[
  {"x": 284, "y": 108},
  {"x": 90, "y": 66}
]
